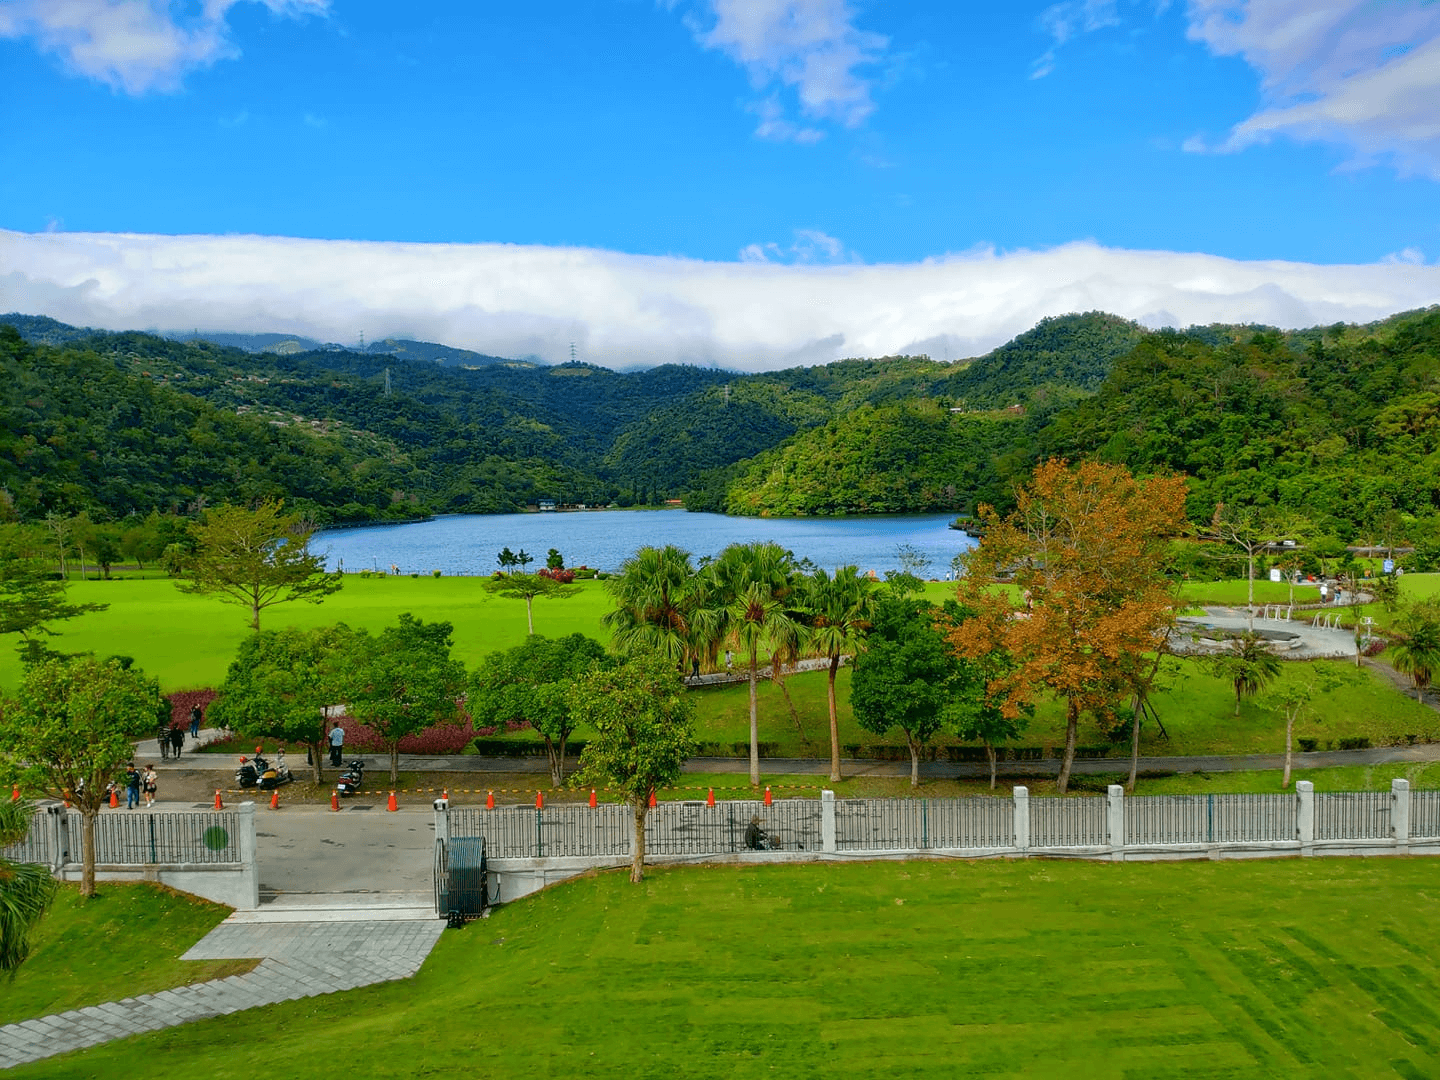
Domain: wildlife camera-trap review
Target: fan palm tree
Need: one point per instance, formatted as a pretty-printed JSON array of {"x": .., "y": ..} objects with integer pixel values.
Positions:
[
  {"x": 1248, "y": 665},
  {"x": 25, "y": 889},
  {"x": 1417, "y": 653},
  {"x": 658, "y": 607},
  {"x": 754, "y": 590},
  {"x": 839, "y": 610}
]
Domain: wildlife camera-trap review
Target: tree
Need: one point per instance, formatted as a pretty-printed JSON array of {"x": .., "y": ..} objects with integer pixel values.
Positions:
[
  {"x": 282, "y": 683},
  {"x": 1417, "y": 652},
  {"x": 554, "y": 560},
  {"x": 839, "y": 611},
  {"x": 974, "y": 714},
  {"x": 1253, "y": 530},
  {"x": 755, "y": 586},
  {"x": 29, "y": 601},
  {"x": 643, "y": 722},
  {"x": 506, "y": 559},
  {"x": 527, "y": 587},
  {"x": 71, "y": 728},
  {"x": 908, "y": 677},
  {"x": 402, "y": 680},
  {"x": 257, "y": 558},
  {"x": 660, "y": 605},
  {"x": 523, "y": 560},
  {"x": 1247, "y": 663},
  {"x": 1294, "y": 699},
  {"x": 532, "y": 682},
  {"x": 26, "y": 889},
  {"x": 1088, "y": 545}
]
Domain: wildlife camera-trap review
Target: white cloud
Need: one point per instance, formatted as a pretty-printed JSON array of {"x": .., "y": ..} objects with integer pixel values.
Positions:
[
  {"x": 1355, "y": 72},
  {"x": 1064, "y": 21},
  {"x": 809, "y": 246},
  {"x": 624, "y": 310},
  {"x": 809, "y": 46},
  {"x": 134, "y": 45}
]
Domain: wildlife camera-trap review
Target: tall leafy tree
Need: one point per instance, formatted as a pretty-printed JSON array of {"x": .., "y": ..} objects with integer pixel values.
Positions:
[
  {"x": 1417, "y": 652},
  {"x": 660, "y": 605},
  {"x": 257, "y": 558},
  {"x": 1295, "y": 699},
  {"x": 26, "y": 889},
  {"x": 839, "y": 611},
  {"x": 70, "y": 729},
  {"x": 755, "y": 593},
  {"x": 1253, "y": 530},
  {"x": 282, "y": 683},
  {"x": 644, "y": 733},
  {"x": 30, "y": 601},
  {"x": 532, "y": 682},
  {"x": 527, "y": 587},
  {"x": 1088, "y": 545},
  {"x": 402, "y": 680}
]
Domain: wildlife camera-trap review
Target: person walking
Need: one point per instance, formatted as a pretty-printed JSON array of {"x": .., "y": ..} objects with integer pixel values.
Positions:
[
  {"x": 337, "y": 743},
  {"x": 132, "y": 787},
  {"x": 148, "y": 785},
  {"x": 163, "y": 738},
  {"x": 195, "y": 721},
  {"x": 177, "y": 741}
]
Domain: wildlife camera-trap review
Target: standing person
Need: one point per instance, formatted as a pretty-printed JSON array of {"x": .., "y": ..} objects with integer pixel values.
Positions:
[
  {"x": 195, "y": 721},
  {"x": 337, "y": 742},
  {"x": 163, "y": 738},
  {"x": 148, "y": 786},
  {"x": 132, "y": 787},
  {"x": 177, "y": 741}
]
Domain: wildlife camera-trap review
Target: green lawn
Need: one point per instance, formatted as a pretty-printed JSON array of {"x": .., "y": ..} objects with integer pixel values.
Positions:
[
  {"x": 1304, "y": 968},
  {"x": 124, "y": 942}
]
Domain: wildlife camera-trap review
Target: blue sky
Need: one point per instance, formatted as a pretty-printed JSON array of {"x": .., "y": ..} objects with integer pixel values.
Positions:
[{"x": 770, "y": 153}]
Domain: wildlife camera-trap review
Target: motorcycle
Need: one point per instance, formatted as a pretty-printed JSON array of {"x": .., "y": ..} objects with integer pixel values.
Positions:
[
  {"x": 351, "y": 778},
  {"x": 257, "y": 772}
]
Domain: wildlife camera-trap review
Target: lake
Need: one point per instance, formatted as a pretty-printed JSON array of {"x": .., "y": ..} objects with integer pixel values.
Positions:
[{"x": 469, "y": 543}]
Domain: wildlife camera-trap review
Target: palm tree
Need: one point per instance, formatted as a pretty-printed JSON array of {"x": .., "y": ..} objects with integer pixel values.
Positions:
[
  {"x": 1248, "y": 664},
  {"x": 25, "y": 889},
  {"x": 840, "y": 610},
  {"x": 657, "y": 595},
  {"x": 754, "y": 587},
  {"x": 1417, "y": 653}
]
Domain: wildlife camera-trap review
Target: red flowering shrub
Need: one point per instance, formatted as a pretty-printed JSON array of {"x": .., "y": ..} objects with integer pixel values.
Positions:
[
  {"x": 181, "y": 702},
  {"x": 560, "y": 574},
  {"x": 448, "y": 738}
]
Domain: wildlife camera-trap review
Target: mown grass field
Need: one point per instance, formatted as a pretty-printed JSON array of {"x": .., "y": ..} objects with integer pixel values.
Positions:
[
  {"x": 1303, "y": 968},
  {"x": 126, "y": 941}
]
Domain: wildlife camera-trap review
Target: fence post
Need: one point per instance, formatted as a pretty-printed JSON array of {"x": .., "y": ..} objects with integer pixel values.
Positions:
[
  {"x": 1115, "y": 821},
  {"x": 245, "y": 826},
  {"x": 442, "y": 820},
  {"x": 1400, "y": 812},
  {"x": 1305, "y": 816},
  {"x": 827, "y": 820},
  {"x": 54, "y": 837},
  {"x": 1022, "y": 818}
]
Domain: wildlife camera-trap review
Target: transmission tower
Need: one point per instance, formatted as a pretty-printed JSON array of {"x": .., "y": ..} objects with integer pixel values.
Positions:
[
  {"x": 572, "y": 352},
  {"x": 387, "y": 382}
]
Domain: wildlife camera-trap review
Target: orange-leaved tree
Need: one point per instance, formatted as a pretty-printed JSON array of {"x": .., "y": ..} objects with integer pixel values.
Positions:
[{"x": 1086, "y": 548}]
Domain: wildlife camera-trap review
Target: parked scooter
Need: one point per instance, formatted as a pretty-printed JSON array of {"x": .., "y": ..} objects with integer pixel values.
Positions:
[
  {"x": 258, "y": 772},
  {"x": 351, "y": 778}
]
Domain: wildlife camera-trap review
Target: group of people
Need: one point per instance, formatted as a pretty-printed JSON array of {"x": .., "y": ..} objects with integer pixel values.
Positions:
[
  {"x": 138, "y": 782},
  {"x": 172, "y": 739}
]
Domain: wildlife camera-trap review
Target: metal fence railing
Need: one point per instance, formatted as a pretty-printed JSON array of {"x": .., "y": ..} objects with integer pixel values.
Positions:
[
  {"x": 1209, "y": 819},
  {"x": 693, "y": 828},
  {"x": 1063, "y": 823},
  {"x": 923, "y": 824},
  {"x": 1425, "y": 813},
  {"x": 35, "y": 848},
  {"x": 1352, "y": 815},
  {"x": 194, "y": 837}
]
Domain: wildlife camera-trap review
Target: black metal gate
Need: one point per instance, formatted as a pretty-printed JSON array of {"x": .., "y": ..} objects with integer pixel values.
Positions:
[{"x": 462, "y": 879}]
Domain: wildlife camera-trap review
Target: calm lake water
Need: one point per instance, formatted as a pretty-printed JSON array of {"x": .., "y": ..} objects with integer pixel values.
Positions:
[{"x": 468, "y": 543}]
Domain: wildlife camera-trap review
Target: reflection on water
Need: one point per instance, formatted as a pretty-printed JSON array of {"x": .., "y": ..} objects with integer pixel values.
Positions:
[{"x": 468, "y": 543}]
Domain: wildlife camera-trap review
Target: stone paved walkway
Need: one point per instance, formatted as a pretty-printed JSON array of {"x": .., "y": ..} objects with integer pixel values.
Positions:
[{"x": 308, "y": 949}]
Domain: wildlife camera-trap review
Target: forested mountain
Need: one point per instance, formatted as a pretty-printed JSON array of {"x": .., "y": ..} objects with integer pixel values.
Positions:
[{"x": 1341, "y": 420}]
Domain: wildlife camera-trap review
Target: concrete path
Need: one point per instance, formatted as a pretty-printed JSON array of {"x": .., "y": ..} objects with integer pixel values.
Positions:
[{"x": 316, "y": 945}]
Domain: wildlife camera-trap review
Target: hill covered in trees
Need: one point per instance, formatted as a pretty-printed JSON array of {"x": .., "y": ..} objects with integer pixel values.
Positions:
[{"x": 1342, "y": 421}]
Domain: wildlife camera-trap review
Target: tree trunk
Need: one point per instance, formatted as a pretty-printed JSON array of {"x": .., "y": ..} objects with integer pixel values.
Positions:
[
  {"x": 990, "y": 753},
  {"x": 914, "y": 760},
  {"x": 834, "y": 724},
  {"x": 556, "y": 754},
  {"x": 1135, "y": 742},
  {"x": 1072, "y": 727},
  {"x": 785, "y": 692},
  {"x": 754, "y": 726},
  {"x": 318, "y": 750},
  {"x": 394, "y": 762},
  {"x": 530, "y": 614},
  {"x": 87, "y": 848},
  {"x": 637, "y": 863},
  {"x": 1250, "y": 594},
  {"x": 1289, "y": 727},
  {"x": 255, "y": 615}
]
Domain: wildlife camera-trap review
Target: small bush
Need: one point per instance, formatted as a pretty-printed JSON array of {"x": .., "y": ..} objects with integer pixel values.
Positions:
[
  {"x": 1307, "y": 745},
  {"x": 434, "y": 573},
  {"x": 1359, "y": 742}
]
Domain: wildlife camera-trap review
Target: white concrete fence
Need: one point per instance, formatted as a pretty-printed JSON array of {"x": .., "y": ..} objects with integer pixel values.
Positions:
[
  {"x": 528, "y": 848},
  {"x": 208, "y": 853}
]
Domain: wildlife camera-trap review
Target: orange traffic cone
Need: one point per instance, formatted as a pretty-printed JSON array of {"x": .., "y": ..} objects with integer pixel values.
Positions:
[
  {"x": 652, "y": 796},
  {"x": 489, "y": 800},
  {"x": 539, "y": 800},
  {"x": 710, "y": 798},
  {"x": 392, "y": 804},
  {"x": 335, "y": 799},
  {"x": 275, "y": 799},
  {"x": 115, "y": 802},
  {"x": 445, "y": 793},
  {"x": 767, "y": 794},
  {"x": 218, "y": 804},
  {"x": 592, "y": 799},
  {"x": 15, "y": 795}
]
